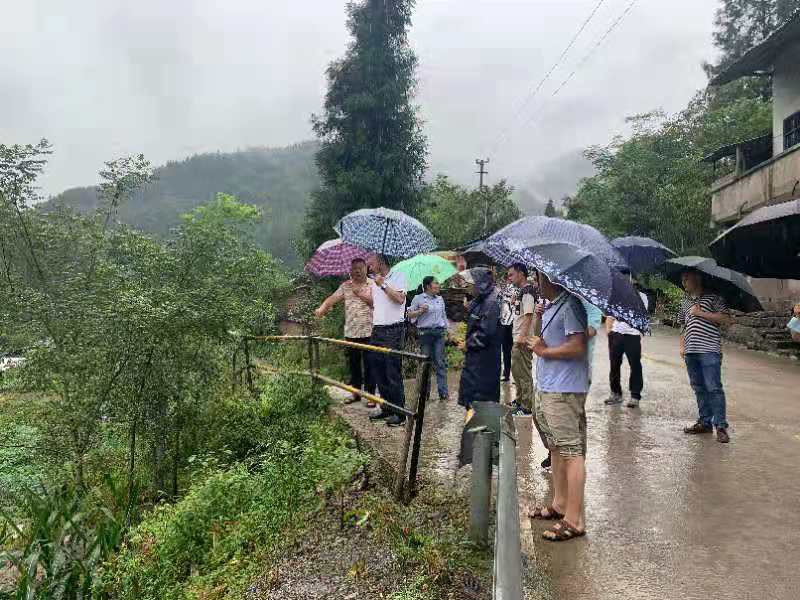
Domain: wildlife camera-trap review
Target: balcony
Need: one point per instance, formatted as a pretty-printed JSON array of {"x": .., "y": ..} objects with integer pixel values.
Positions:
[{"x": 751, "y": 177}]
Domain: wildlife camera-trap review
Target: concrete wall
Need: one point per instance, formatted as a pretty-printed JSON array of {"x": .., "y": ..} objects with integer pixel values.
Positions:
[
  {"x": 785, "y": 91},
  {"x": 772, "y": 182},
  {"x": 777, "y": 294}
]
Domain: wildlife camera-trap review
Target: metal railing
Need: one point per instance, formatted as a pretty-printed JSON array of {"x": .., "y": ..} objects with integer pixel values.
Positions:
[
  {"x": 495, "y": 429},
  {"x": 405, "y": 486}
]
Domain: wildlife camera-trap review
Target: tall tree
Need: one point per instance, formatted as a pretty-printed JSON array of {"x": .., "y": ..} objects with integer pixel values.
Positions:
[
  {"x": 373, "y": 150},
  {"x": 741, "y": 24},
  {"x": 457, "y": 215}
]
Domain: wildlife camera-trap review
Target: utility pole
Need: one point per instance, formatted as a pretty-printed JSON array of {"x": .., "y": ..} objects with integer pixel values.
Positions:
[{"x": 481, "y": 162}]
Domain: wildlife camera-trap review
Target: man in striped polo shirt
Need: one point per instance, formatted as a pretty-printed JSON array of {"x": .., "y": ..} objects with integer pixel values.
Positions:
[{"x": 703, "y": 314}]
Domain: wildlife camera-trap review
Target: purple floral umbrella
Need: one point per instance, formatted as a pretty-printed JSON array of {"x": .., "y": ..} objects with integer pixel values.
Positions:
[{"x": 333, "y": 258}]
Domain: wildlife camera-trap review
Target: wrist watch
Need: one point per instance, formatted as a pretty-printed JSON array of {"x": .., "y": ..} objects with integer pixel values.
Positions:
[{"x": 383, "y": 287}]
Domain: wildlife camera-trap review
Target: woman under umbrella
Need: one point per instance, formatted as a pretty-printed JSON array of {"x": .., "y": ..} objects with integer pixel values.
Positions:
[{"x": 480, "y": 379}]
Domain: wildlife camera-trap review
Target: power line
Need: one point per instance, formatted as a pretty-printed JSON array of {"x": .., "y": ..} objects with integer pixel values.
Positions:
[
  {"x": 583, "y": 61},
  {"x": 531, "y": 96}
]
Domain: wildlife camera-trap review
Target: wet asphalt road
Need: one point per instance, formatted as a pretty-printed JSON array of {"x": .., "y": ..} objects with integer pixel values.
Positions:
[
  {"x": 668, "y": 515},
  {"x": 676, "y": 516}
]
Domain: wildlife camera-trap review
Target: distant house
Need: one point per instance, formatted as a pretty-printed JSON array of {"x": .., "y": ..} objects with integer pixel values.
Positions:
[{"x": 765, "y": 170}]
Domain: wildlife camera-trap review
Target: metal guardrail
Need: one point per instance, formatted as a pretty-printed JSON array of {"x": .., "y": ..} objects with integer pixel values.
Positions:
[
  {"x": 405, "y": 487},
  {"x": 494, "y": 429}
]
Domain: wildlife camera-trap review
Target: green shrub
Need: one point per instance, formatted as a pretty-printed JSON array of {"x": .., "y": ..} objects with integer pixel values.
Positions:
[{"x": 201, "y": 542}]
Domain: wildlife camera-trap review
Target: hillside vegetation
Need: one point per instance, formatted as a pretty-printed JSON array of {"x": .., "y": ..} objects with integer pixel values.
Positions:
[{"x": 278, "y": 181}]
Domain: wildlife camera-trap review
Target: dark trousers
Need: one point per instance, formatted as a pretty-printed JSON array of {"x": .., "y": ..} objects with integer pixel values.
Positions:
[
  {"x": 360, "y": 368},
  {"x": 507, "y": 337},
  {"x": 387, "y": 369},
  {"x": 620, "y": 345}
]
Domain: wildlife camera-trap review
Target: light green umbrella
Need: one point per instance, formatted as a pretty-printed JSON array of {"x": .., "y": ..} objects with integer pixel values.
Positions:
[{"x": 419, "y": 267}]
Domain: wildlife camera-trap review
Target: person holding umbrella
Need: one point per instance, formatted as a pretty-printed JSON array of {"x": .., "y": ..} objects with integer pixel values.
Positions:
[
  {"x": 562, "y": 384},
  {"x": 357, "y": 298},
  {"x": 387, "y": 296},
  {"x": 427, "y": 311},
  {"x": 703, "y": 314},
  {"x": 521, "y": 356}
]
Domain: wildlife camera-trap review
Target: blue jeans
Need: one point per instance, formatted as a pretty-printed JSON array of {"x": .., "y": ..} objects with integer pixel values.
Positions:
[
  {"x": 432, "y": 342},
  {"x": 705, "y": 375}
]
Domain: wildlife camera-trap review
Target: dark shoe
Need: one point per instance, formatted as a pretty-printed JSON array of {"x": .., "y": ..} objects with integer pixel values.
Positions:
[
  {"x": 396, "y": 421},
  {"x": 444, "y": 398},
  {"x": 519, "y": 411},
  {"x": 633, "y": 402},
  {"x": 613, "y": 399},
  {"x": 379, "y": 416},
  {"x": 547, "y": 462},
  {"x": 722, "y": 435},
  {"x": 698, "y": 427}
]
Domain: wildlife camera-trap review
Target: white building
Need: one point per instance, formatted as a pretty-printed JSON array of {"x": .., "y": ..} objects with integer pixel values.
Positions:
[{"x": 767, "y": 169}]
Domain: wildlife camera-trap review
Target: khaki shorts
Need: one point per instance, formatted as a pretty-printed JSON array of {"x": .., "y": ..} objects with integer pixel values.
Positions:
[{"x": 562, "y": 420}]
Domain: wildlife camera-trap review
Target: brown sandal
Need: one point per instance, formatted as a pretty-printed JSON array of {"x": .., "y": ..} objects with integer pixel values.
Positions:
[
  {"x": 552, "y": 514},
  {"x": 562, "y": 532}
]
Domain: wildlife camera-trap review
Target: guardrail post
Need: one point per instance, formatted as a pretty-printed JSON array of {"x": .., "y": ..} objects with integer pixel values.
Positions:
[
  {"x": 424, "y": 392},
  {"x": 248, "y": 367},
  {"x": 481, "y": 487},
  {"x": 507, "y": 553}
]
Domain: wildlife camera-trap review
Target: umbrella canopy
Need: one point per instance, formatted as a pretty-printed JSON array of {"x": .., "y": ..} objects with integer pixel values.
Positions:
[
  {"x": 642, "y": 253},
  {"x": 537, "y": 230},
  {"x": 475, "y": 253},
  {"x": 333, "y": 258},
  {"x": 419, "y": 267},
  {"x": 766, "y": 243},
  {"x": 731, "y": 285},
  {"x": 386, "y": 231},
  {"x": 579, "y": 272}
]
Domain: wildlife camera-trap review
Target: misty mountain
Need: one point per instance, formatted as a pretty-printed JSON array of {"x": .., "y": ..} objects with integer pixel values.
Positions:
[
  {"x": 277, "y": 180},
  {"x": 553, "y": 179}
]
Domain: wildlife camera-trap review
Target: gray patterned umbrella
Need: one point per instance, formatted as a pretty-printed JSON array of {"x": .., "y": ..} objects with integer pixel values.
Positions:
[
  {"x": 591, "y": 271},
  {"x": 386, "y": 231}
]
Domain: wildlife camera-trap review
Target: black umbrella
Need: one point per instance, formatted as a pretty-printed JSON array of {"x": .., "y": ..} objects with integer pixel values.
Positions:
[
  {"x": 642, "y": 253},
  {"x": 766, "y": 243},
  {"x": 475, "y": 253},
  {"x": 731, "y": 285}
]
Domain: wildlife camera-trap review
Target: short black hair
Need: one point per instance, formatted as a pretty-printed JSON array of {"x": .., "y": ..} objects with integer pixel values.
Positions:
[
  {"x": 521, "y": 267},
  {"x": 358, "y": 259},
  {"x": 427, "y": 281}
]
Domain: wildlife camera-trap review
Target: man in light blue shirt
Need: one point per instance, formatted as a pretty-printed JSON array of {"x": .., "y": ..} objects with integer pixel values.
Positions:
[
  {"x": 427, "y": 311},
  {"x": 562, "y": 384}
]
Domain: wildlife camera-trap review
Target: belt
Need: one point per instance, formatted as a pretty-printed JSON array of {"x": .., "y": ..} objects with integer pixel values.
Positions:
[
  {"x": 392, "y": 326},
  {"x": 431, "y": 329}
]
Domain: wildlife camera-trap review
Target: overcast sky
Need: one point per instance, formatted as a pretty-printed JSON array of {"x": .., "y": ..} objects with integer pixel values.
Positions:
[{"x": 169, "y": 78}]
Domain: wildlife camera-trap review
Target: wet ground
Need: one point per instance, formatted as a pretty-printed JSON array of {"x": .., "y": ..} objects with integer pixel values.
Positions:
[{"x": 668, "y": 515}]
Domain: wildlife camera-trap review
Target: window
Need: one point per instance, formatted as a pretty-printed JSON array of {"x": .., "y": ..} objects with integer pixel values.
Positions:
[{"x": 791, "y": 131}]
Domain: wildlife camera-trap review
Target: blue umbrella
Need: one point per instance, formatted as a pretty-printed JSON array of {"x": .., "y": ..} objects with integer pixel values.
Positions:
[
  {"x": 642, "y": 253},
  {"x": 386, "y": 231},
  {"x": 591, "y": 271}
]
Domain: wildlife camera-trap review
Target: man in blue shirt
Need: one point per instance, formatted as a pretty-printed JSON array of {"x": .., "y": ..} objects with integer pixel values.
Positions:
[
  {"x": 427, "y": 311},
  {"x": 562, "y": 383}
]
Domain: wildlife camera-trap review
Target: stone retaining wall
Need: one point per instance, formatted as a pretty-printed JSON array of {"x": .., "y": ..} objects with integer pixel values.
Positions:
[{"x": 764, "y": 331}]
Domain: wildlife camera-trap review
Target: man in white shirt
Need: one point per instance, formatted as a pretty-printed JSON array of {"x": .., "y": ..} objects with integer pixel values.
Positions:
[
  {"x": 388, "y": 300},
  {"x": 624, "y": 340}
]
